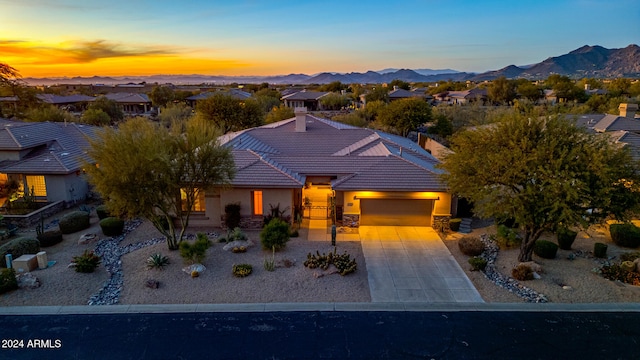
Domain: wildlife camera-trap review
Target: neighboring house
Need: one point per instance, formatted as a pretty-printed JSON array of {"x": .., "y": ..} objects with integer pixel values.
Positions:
[
  {"x": 132, "y": 104},
  {"x": 374, "y": 178},
  {"x": 397, "y": 94},
  {"x": 46, "y": 157},
  {"x": 237, "y": 94},
  {"x": 304, "y": 98},
  {"x": 462, "y": 97},
  {"x": 72, "y": 103}
]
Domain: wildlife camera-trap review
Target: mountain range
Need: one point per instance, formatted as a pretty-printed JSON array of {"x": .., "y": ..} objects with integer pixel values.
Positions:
[{"x": 587, "y": 61}]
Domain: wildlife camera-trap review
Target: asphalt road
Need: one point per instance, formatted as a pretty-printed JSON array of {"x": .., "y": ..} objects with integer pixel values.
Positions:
[{"x": 324, "y": 335}]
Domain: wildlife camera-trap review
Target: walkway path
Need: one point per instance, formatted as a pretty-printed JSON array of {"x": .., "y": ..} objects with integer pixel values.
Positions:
[{"x": 407, "y": 264}]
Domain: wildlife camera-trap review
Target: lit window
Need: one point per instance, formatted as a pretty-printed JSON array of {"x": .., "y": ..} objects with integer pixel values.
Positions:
[
  {"x": 257, "y": 202},
  {"x": 37, "y": 185},
  {"x": 198, "y": 202}
]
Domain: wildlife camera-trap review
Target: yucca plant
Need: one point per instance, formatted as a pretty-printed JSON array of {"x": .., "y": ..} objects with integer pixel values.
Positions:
[
  {"x": 270, "y": 264},
  {"x": 157, "y": 261}
]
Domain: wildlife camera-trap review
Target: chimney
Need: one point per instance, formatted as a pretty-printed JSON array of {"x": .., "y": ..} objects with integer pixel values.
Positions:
[
  {"x": 587, "y": 87},
  {"x": 628, "y": 110},
  {"x": 395, "y": 87},
  {"x": 301, "y": 119}
]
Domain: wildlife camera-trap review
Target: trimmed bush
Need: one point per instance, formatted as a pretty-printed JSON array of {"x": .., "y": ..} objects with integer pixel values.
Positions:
[
  {"x": 275, "y": 235},
  {"x": 627, "y": 235},
  {"x": 522, "y": 272},
  {"x": 196, "y": 252},
  {"x": 8, "y": 280},
  {"x": 545, "y": 249},
  {"x": 50, "y": 238},
  {"x": 102, "y": 212},
  {"x": 87, "y": 262},
  {"x": 18, "y": 247},
  {"x": 600, "y": 250},
  {"x": 566, "y": 237},
  {"x": 112, "y": 226},
  {"x": 471, "y": 246},
  {"x": 477, "y": 263},
  {"x": 232, "y": 215},
  {"x": 454, "y": 224},
  {"x": 507, "y": 237},
  {"x": 74, "y": 222}
]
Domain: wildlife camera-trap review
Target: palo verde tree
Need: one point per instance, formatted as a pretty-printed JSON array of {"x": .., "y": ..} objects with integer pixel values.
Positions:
[
  {"x": 230, "y": 114},
  {"x": 143, "y": 167},
  {"x": 404, "y": 115},
  {"x": 544, "y": 172}
]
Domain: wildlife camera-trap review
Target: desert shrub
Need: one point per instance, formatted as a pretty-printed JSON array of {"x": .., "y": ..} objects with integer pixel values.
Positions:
[
  {"x": 50, "y": 238},
  {"x": 600, "y": 250},
  {"x": 242, "y": 270},
  {"x": 342, "y": 262},
  {"x": 112, "y": 226},
  {"x": 275, "y": 213},
  {"x": 236, "y": 235},
  {"x": 270, "y": 264},
  {"x": 18, "y": 247},
  {"x": 627, "y": 235},
  {"x": 157, "y": 261},
  {"x": 87, "y": 262},
  {"x": 102, "y": 212},
  {"x": 195, "y": 253},
  {"x": 477, "y": 263},
  {"x": 522, "y": 272},
  {"x": 545, "y": 249},
  {"x": 630, "y": 256},
  {"x": 232, "y": 215},
  {"x": 294, "y": 233},
  {"x": 471, "y": 245},
  {"x": 454, "y": 224},
  {"x": 618, "y": 272},
  {"x": 275, "y": 235},
  {"x": 8, "y": 280},
  {"x": 507, "y": 237},
  {"x": 74, "y": 222},
  {"x": 566, "y": 237}
]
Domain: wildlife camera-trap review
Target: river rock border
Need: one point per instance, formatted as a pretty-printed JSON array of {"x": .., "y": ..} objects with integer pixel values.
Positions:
[{"x": 512, "y": 285}]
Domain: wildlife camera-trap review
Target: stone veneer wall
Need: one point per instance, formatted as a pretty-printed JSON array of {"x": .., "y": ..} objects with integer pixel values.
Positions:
[
  {"x": 351, "y": 220},
  {"x": 34, "y": 217}
]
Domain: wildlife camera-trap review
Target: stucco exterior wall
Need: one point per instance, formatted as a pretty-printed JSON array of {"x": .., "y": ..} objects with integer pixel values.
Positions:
[
  {"x": 284, "y": 197},
  {"x": 70, "y": 188}
]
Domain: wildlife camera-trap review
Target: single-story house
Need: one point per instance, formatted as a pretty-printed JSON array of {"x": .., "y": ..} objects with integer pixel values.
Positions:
[
  {"x": 46, "y": 157},
  {"x": 73, "y": 103},
  {"x": 306, "y": 164},
  {"x": 306, "y": 99},
  {"x": 462, "y": 97},
  {"x": 237, "y": 94},
  {"x": 132, "y": 104}
]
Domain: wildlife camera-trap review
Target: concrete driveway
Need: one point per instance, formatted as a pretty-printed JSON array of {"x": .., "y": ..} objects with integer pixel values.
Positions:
[
  {"x": 411, "y": 264},
  {"x": 406, "y": 264}
]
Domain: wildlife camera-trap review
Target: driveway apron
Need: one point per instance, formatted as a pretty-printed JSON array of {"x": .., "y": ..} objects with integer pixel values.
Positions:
[{"x": 412, "y": 264}]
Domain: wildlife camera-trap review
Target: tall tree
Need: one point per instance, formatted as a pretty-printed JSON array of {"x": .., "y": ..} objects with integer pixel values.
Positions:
[
  {"x": 110, "y": 107},
  {"x": 405, "y": 115},
  {"x": 161, "y": 95},
  {"x": 543, "y": 172},
  {"x": 143, "y": 167},
  {"x": 229, "y": 114},
  {"x": 334, "y": 101},
  {"x": 501, "y": 91}
]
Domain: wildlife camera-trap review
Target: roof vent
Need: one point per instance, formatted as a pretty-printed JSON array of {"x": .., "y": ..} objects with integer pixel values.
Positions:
[
  {"x": 64, "y": 154},
  {"x": 301, "y": 119}
]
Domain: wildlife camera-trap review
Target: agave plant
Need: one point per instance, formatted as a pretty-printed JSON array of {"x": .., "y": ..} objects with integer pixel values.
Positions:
[{"x": 157, "y": 261}]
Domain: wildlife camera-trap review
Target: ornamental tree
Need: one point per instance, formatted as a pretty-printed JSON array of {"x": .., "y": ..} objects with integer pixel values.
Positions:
[
  {"x": 142, "y": 167},
  {"x": 544, "y": 172}
]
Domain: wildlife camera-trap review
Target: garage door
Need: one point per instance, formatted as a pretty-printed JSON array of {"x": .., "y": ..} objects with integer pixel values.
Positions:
[{"x": 395, "y": 212}]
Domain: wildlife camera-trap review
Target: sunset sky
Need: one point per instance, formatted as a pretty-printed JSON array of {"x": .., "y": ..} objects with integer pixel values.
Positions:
[{"x": 135, "y": 37}]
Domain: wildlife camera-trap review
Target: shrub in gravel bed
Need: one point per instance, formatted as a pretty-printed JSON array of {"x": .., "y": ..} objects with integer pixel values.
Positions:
[
  {"x": 242, "y": 270},
  {"x": 102, "y": 212},
  {"x": 477, "y": 263},
  {"x": 112, "y": 226},
  {"x": 566, "y": 237},
  {"x": 275, "y": 235},
  {"x": 545, "y": 249},
  {"x": 522, "y": 272},
  {"x": 87, "y": 262},
  {"x": 50, "y": 238},
  {"x": 8, "y": 280},
  {"x": 195, "y": 253},
  {"x": 157, "y": 261},
  {"x": 18, "y": 247},
  {"x": 471, "y": 246},
  {"x": 74, "y": 222},
  {"x": 627, "y": 235},
  {"x": 600, "y": 250}
]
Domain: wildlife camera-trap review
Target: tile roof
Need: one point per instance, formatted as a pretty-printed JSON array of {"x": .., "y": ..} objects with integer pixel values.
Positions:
[
  {"x": 235, "y": 93},
  {"x": 128, "y": 98},
  {"x": 305, "y": 95},
  {"x": 276, "y": 155},
  {"x": 59, "y": 99},
  {"x": 51, "y": 148},
  {"x": 402, "y": 93},
  {"x": 614, "y": 122}
]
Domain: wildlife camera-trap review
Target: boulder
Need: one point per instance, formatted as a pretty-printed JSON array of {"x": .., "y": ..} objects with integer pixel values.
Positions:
[
  {"x": 199, "y": 268},
  {"x": 636, "y": 262},
  {"x": 152, "y": 284},
  {"x": 87, "y": 238},
  {"x": 28, "y": 281}
]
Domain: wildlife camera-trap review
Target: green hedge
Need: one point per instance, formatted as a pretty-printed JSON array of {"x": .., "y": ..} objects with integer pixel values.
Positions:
[
  {"x": 8, "y": 280},
  {"x": 50, "y": 238},
  {"x": 74, "y": 222},
  {"x": 18, "y": 247},
  {"x": 102, "y": 212},
  {"x": 275, "y": 235},
  {"x": 627, "y": 235},
  {"x": 545, "y": 249},
  {"x": 112, "y": 226},
  {"x": 566, "y": 237}
]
